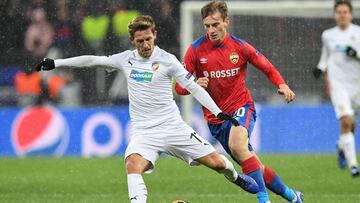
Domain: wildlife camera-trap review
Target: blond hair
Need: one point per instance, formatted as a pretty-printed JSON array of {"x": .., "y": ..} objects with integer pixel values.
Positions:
[{"x": 140, "y": 23}]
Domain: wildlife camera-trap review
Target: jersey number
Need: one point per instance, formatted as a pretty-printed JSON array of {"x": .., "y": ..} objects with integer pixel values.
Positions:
[
  {"x": 193, "y": 135},
  {"x": 240, "y": 112}
]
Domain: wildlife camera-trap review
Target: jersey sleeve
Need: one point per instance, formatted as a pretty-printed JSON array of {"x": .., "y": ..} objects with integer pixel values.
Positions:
[
  {"x": 182, "y": 76},
  {"x": 89, "y": 61},
  {"x": 262, "y": 63},
  {"x": 323, "y": 63},
  {"x": 186, "y": 80},
  {"x": 189, "y": 64}
]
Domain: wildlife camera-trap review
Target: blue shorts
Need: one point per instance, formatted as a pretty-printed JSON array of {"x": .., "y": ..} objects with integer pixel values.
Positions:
[{"x": 246, "y": 116}]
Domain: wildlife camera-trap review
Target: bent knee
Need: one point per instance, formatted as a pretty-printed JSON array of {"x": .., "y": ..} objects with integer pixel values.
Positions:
[
  {"x": 132, "y": 166},
  {"x": 238, "y": 148},
  {"x": 241, "y": 153},
  {"x": 346, "y": 124},
  {"x": 135, "y": 164}
]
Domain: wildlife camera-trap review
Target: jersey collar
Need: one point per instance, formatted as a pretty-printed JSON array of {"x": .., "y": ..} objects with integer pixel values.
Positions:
[
  {"x": 220, "y": 44},
  {"x": 153, "y": 54}
]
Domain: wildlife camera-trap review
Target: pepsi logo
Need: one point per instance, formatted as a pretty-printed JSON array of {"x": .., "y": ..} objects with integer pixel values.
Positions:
[{"x": 40, "y": 130}]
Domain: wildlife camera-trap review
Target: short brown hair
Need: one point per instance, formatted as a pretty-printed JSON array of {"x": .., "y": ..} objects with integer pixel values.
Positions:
[
  {"x": 214, "y": 6},
  {"x": 141, "y": 23},
  {"x": 343, "y": 2}
]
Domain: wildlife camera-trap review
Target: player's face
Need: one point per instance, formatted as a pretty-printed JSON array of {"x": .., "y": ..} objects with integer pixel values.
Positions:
[
  {"x": 343, "y": 16},
  {"x": 215, "y": 27},
  {"x": 144, "y": 41}
]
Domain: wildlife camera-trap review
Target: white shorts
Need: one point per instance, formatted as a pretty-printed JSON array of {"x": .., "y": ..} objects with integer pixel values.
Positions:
[
  {"x": 346, "y": 102},
  {"x": 185, "y": 144}
]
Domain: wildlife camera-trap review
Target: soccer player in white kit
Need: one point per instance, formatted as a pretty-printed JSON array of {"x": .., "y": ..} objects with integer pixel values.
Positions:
[
  {"x": 341, "y": 63},
  {"x": 156, "y": 124}
]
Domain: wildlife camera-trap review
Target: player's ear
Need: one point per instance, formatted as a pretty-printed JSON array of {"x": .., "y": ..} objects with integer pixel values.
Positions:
[
  {"x": 227, "y": 21},
  {"x": 155, "y": 34},
  {"x": 131, "y": 39}
]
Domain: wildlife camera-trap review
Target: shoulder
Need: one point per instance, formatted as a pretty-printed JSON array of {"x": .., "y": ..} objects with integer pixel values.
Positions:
[
  {"x": 329, "y": 32},
  {"x": 356, "y": 27},
  {"x": 163, "y": 54},
  {"x": 237, "y": 40},
  {"x": 165, "y": 57},
  {"x": 198, "y": 42},
  {"x": 122, "y": 55}
]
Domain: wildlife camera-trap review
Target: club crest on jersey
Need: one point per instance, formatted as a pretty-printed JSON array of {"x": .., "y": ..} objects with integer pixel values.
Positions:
[
  {"x": 234, "y": 57},
  {"x": 155, "y": 66},
  {"x": 353, "y": 38},
  {"x": 141, "y": 76}
]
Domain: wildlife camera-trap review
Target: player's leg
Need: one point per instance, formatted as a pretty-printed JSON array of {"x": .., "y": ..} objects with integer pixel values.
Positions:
[
  {"x": 274, "y": 183},
  {"x": 195, "y": 150},
  {"x": 140, "y": 157},
  {"x": 235, "y": 141},
  {"x": 345, "y": 112},
  {"x": 347, "y": 143},
  {"x": 136, "y": 165},
  {"x": 238, "y": 145},
  {"x": 222, "y": 165}
]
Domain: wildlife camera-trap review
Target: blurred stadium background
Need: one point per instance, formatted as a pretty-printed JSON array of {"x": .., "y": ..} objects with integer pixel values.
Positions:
[{"x": 83, "y": 113}]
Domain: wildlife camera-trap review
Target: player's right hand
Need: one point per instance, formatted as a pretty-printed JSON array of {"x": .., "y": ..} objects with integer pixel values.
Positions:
[
  {"x": 225, "y": 117},
  {"x": 316, "y": 73},
  {"x": 45, "y": 64},
  {"x": 203, "y": 82}
]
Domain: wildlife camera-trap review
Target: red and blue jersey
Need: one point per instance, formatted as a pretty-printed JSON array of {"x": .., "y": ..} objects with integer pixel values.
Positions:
[{"x": 225, "y": 65}]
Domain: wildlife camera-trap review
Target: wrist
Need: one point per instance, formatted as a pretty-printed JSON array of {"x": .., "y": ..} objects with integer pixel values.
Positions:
[{"x": 283, "y": 85}]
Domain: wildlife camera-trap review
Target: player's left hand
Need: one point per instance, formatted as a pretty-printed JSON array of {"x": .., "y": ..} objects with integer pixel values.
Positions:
[
  {"x": 226, "y": 117},
  {"x": 287, "y": 92}
]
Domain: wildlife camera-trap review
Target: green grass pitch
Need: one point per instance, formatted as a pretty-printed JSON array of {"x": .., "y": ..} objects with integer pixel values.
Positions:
[{"x": 104, "y": 180}]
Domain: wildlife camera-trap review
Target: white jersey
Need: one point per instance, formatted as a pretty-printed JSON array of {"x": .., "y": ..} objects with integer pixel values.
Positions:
[
  {"x": 341, "y": 69},
  {"x": 149, "y": 85}
]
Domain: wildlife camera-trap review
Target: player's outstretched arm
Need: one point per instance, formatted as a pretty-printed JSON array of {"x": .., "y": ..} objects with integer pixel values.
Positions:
[
  {"x": 203, "y": 82},
  {"x": 77, "y": 62},
  {"x": 185, "y": 79},
  {"x": 205, "y": 100},
  {"x": 262, "y": 63}
]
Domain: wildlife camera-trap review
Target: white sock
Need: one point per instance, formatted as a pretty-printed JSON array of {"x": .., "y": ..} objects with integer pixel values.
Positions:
[
  {"x": 137, "y": 188},
  {"x": 229, "y": 171},
  {"x": 347, "y": 144}
]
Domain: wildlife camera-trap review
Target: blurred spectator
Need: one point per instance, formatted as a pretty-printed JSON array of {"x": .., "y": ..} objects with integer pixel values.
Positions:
[
  {"x": 54, "y": 84},
  {"x": 65, "y": 30},
  {"x": 120, "y": 20},
  {"x": 28, "y": 87},
  {"x": 69, "y": 95},
  {"x": 39, "y": 35},
  {"x": 95, "y": 27},
  {"x": 33, "y": 29},
  {"x": 63, "y": 89},
  {"x": 167, "y": 25},
  {"x": 12, "y": 30}
]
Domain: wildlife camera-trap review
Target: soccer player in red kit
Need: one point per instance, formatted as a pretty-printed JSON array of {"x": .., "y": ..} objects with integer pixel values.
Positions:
[{"x": 219, "y": 61}]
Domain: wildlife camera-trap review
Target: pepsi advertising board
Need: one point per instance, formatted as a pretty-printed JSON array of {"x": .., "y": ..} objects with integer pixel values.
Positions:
[
  {"x": 47, "y": 130},
  {"x": 105, "y": 131}
]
